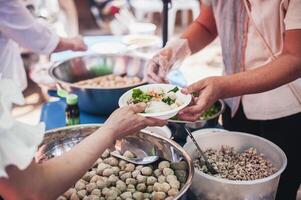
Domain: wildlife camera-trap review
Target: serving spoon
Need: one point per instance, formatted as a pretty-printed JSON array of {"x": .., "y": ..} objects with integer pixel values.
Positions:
[
  {"x": 138, "y": 161},
  {"x": 201, "y": 153}
]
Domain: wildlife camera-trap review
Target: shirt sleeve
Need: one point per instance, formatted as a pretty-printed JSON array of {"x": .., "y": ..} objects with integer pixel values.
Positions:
[
  {"x": 18, "y": 24},
  {"x": 292, "y": 18}
]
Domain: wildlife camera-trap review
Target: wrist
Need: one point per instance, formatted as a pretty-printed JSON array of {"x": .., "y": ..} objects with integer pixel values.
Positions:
[
  {"x": 110, "y": 133},
  {"x": 225, "y": 87}
]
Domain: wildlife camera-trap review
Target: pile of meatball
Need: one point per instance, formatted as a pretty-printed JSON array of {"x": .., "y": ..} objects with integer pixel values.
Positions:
[
  {"x": 111, "y": 178},
  {"x": 110, "y": 81}
]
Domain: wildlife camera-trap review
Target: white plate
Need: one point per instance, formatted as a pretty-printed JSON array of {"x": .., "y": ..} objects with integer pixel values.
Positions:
[
  {"x": 159, "y": 115},
  {"x": 108, "y": 48},
  {"x": 142, "y": 40},
  {"x": 163, "y": 131}
]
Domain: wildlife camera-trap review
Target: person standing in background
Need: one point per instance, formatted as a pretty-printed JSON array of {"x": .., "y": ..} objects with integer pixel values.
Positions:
[
  {"x": 18, "y": 27},
  {"x": 261, "y": 47}
]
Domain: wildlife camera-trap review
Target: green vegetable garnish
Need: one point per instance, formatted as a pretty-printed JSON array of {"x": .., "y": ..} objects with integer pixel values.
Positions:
[
  {"x": 175, "y": 89},
  {"x": 139, "y": 96},
  {"x": 168, "y": 100},
  {"x": 153, "y": 152},
  {"x": 211, "y": 111}
]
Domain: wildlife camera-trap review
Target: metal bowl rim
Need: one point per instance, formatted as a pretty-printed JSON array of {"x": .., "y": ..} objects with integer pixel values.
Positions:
[
  {"x": 56, "y": 64},
  {"x": 251, "y": 182},
  {"x": 179, "y": 148}
]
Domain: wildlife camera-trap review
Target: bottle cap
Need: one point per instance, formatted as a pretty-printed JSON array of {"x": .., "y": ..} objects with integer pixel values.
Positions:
[{"x": 72, "y": 99}]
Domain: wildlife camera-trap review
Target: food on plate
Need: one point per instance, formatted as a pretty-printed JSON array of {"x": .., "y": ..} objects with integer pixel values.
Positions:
[
  {"x": 208, "y": 114},
  {"x": 157, "y": 99},
  {"x": 233, "y": 165},
  {"x": 212, "y": 111},
  {"x": 110, "y": 81},
  {"x": 112, "y": 178}
]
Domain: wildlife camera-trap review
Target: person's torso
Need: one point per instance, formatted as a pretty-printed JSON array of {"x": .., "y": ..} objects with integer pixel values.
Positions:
[
  {"x": 11, "y": 64},
  {"x": 243, "y": 50}
]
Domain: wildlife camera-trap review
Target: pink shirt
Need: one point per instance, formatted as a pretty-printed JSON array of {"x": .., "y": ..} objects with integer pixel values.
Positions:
[{"x": 243, "y": 50}]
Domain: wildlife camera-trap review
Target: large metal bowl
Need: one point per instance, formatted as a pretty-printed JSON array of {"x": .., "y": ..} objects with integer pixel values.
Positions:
[
  {"x": 58, "y": 141},
  {"x": 208, "y": 187},
  {"x": 96, "y": 100}
]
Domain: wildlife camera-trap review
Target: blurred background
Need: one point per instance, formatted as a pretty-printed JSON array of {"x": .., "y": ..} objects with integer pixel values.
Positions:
[{"x": 94, "y": 18}]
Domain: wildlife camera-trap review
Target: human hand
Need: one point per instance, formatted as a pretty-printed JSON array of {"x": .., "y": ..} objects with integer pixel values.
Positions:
[
  {"x": 126, "y": 120},
  {"x": 208, "y": 91},
  {"x": 74, "y": 43},
  {"x": 158, "y": 67}
]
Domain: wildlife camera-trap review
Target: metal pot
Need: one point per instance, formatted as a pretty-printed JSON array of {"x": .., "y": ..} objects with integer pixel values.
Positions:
[
  {"x": 96, "y": 100},
  {"x": 58, "y": 141},
  {"x": 208, "y": 187}
]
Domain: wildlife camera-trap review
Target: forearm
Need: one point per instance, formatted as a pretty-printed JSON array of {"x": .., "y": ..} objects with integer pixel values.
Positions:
[
  {"x": 198, "y": 36},
  {"x": 284, "y": 69},
  {"x": 72, "y": 16},
  {"x": 202, "y": 31},
  {"x": 52, "y": 178}
]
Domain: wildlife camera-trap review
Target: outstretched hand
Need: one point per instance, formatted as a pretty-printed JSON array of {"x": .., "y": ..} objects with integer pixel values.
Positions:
[
  {"x": 126, "y": 120},
  {"x": 206, "y": 92}
]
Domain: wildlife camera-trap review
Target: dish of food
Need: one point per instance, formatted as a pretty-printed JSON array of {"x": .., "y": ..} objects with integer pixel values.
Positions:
[
  {"x": 211, "y": 112},
  {"x": 112, "y": 178},
  {"x": 157, "y": 99},
  {"x": 110, "y": 81},
  {"x": 163, "y": 100},
  {"x": 232, "y": 165}
]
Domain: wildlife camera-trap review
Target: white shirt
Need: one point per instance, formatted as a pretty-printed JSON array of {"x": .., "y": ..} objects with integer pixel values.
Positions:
[
  {"x": 18, "y": 27},
  {"x": 18, "y": 141},
  {"x": 243, "y": 50}
]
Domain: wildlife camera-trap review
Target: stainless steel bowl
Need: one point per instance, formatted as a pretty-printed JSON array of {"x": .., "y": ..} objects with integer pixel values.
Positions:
[
  {"x": 211, "y": 121},
  {"x": 58, "y": 141},
  {"x": 96, "y": 100},
  {"x": 208, "y": 187}
]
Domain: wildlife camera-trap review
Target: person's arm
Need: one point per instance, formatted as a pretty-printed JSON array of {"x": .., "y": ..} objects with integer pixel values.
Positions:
[
  {"x": 286, "y": 68},
  {"x": 72, "y": 17},
  {"x": 202, "y": 31},
  {"x": 197, "y": 36},
  {"x": 52, "y": 178},
  {"x": 18, "y": 24}
]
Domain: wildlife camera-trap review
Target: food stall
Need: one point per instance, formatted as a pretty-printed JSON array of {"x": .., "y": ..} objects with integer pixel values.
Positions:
[{"x": 82, "y": 74}]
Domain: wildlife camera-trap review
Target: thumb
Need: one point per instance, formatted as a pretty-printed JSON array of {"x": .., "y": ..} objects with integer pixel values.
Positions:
[
  {"x": 139, "y": 107},
  {"x": 195, "y": 87}
]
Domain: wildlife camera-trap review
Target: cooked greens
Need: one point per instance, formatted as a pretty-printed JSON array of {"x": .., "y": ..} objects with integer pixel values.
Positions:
[
  {"x": 139, "y": 96},
  {"x": 208, "y": 114},
  {"x": 168, "y": 100},
  {"x": 213, "y": 110},
  {"x": 174, "y": 90}
]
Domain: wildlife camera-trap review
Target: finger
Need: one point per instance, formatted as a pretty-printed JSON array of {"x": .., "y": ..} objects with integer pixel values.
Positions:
[
  {"x": 189, "y": 117},
  {"x": 154, "y": 78},
  {"x": 195, "y": 87},
  {"x": 155, "y": 122},
  {"x": 138, "y": 108}
]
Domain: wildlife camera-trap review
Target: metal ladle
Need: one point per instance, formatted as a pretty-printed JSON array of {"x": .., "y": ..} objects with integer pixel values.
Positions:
[
  {"x": 138, "y": 161},
  {"x": 203, "y": 157}
]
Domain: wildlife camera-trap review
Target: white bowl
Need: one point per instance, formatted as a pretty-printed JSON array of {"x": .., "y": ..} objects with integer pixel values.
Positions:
[
  {"x": 163, "y": 131},
  {"x": 142, "y": 40},
  {"x": 142, "y": 28},
  {"x": 159, "y": 115},
  {"x": 108, "y": 48}
]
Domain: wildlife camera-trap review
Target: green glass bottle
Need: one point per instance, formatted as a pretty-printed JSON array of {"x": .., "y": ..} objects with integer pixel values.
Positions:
[{"x": 72, "y": 110}]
